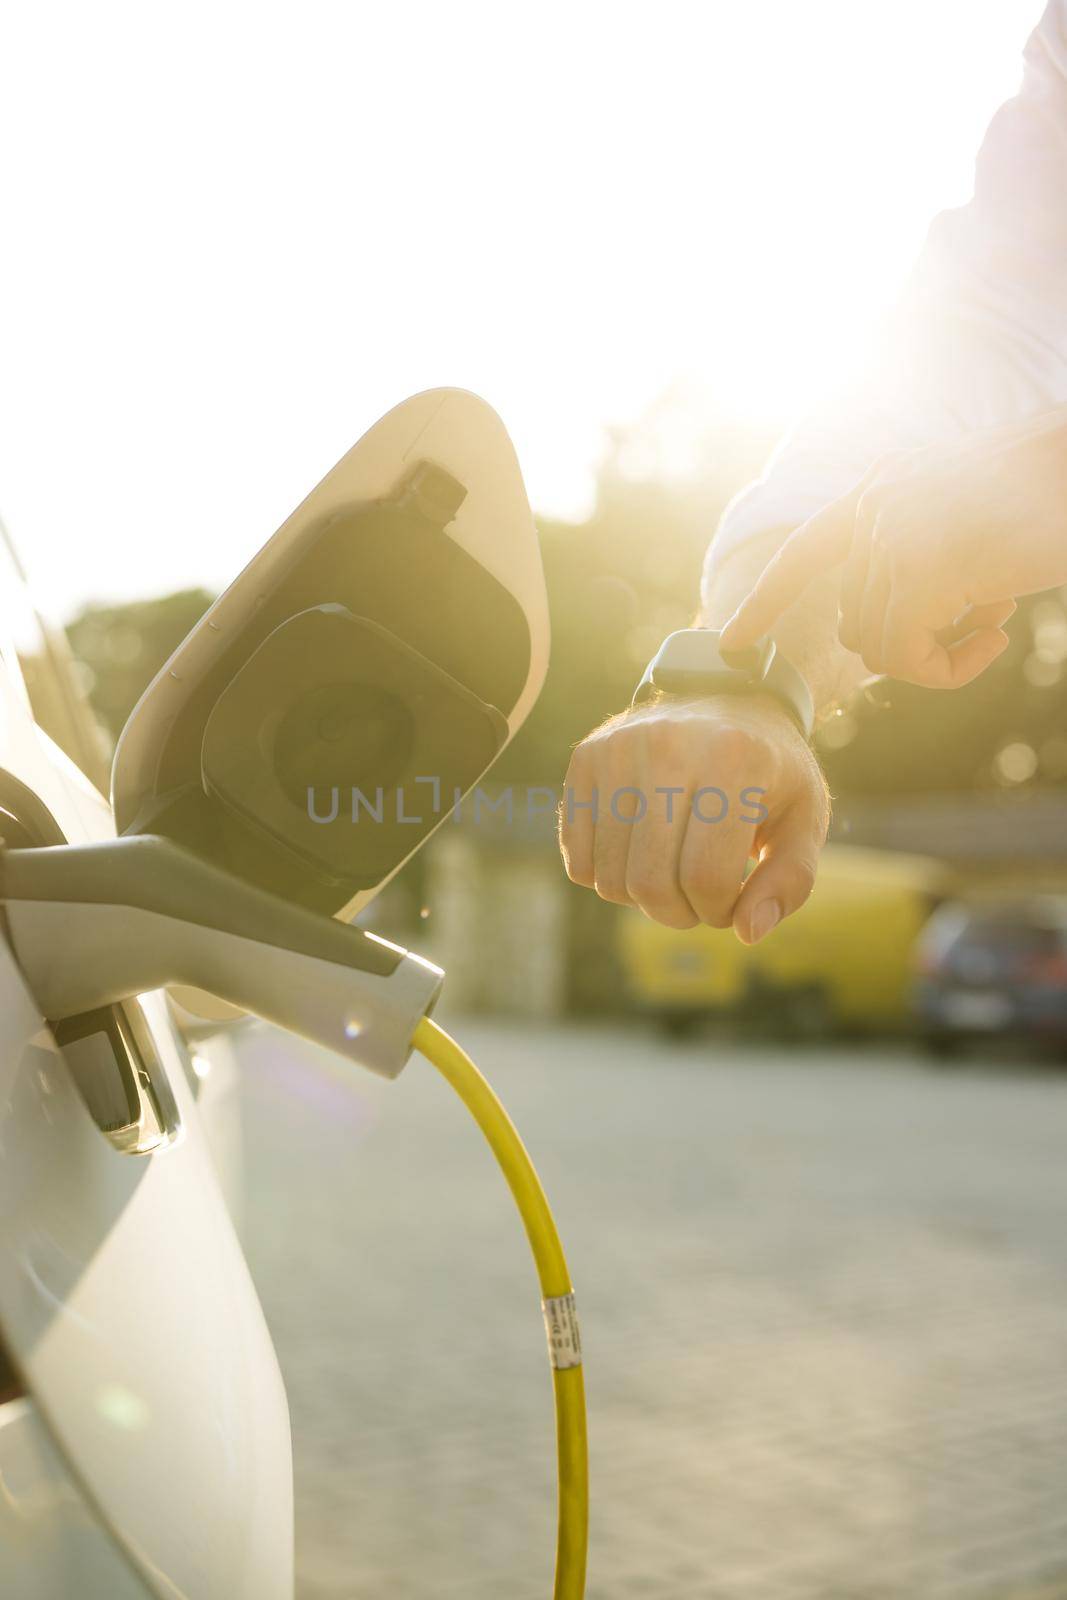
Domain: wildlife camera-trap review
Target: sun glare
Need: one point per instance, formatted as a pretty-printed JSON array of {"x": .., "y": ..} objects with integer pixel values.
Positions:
[{"x": 274, "y": 226}]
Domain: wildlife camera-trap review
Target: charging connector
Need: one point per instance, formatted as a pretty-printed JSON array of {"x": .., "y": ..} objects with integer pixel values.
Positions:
[{"x": 95, "y": 925}]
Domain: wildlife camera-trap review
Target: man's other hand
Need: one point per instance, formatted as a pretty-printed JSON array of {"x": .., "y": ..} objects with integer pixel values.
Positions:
[{"x": 936, "y": 545}]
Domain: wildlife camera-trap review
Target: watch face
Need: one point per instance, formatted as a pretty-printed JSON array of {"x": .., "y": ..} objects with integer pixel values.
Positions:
[
  {"x": 691, "y": 658},
  {"x": 693, "y": 651}
]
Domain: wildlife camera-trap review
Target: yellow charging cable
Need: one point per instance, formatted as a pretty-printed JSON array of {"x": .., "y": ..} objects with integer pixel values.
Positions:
[{"x": 558, "y": 1297}]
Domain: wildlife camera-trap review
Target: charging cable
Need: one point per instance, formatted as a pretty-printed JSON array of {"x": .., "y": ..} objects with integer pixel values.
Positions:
[{"x": 561, "y": 1324}]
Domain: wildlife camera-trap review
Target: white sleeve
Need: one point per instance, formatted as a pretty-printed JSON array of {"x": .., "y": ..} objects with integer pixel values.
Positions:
[{"x": 980, "y": 335}]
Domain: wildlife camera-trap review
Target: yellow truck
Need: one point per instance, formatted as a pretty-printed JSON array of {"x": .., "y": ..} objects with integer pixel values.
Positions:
[{"x": 843, "y": 961}]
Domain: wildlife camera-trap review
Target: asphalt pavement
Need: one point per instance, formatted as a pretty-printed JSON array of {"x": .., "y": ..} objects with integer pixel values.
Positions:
[{"x": 824, "y": 1313}]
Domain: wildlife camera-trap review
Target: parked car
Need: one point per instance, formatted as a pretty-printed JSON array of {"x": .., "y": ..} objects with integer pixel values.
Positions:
[
  {"x": 994, "y": 968},
  {"x": 843, "y": 961}
]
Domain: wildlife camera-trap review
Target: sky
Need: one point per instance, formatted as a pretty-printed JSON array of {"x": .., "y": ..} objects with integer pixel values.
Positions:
[{"x": 234, "y": 235}]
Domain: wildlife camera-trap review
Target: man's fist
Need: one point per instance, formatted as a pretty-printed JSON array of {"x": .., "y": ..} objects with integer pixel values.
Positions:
[{"x": 665, "y": 806}]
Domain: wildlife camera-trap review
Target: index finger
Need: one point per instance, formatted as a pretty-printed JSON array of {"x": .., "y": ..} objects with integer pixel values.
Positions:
[{"x": 817, "y": 545}]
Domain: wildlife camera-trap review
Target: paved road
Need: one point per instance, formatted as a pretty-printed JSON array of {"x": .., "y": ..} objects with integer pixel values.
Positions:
[{"x": 824, "y": 1307}]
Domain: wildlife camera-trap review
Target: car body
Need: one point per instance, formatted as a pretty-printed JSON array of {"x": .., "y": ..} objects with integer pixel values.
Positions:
[
  {"x": 144, "y": 1431},
  {"x": 144, "y": 1435},
  {"x": 994, "y": 967}
]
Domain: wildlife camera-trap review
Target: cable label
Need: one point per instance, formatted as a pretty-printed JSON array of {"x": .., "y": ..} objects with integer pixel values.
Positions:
[{"x": 561, "y": 1326}]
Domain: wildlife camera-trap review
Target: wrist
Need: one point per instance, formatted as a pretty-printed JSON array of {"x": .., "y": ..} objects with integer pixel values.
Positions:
[
  {"x": 690, "y": 663},
  {"x": 754, "y": 710},
  {"x": 757, "y": 708}
]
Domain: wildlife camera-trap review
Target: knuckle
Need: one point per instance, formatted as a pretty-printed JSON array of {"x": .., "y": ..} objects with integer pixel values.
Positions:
[
  {"x": 667, "y": 801},
  {"x": 706, "y": 894}
]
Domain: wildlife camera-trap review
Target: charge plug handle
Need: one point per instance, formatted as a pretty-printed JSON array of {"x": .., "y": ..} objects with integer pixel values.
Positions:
[{"x": 95, "y": 924}]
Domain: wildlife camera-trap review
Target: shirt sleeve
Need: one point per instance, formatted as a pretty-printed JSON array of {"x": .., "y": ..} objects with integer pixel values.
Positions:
[{"x": 980, "y": 334}]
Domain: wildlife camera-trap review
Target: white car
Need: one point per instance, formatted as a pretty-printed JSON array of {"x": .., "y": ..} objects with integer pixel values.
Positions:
[{"x": 144, "y": 1433}]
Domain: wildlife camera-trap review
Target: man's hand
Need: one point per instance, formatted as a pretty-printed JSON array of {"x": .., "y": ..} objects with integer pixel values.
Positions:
[
  {"x": 665, "y": 806},
  {"x": 937, "y": 544}
]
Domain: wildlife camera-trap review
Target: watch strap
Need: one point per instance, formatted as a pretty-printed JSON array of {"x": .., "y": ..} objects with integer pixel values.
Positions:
[{"x": 786, "y": 683}]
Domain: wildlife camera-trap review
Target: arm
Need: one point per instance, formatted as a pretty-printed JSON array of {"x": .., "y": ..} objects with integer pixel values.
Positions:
[
  {"x": 979, "y": 337},
  {"x": 979, "y": 340},
  {"x": 947, "y": 453}
]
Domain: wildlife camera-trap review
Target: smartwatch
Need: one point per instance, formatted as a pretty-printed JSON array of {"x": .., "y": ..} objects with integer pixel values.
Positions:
[{"x": 690, "y": 662}]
